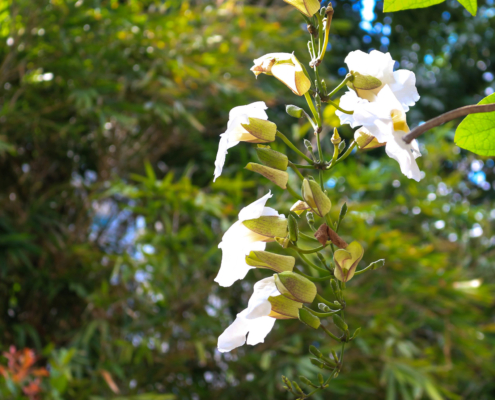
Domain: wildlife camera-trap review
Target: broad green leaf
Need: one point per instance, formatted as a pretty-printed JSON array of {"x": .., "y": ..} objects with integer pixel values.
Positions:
[
  {"x": 470, "y": 5},
  {"x": 398, "y": 5},
  {"x": 477, "y": 132}
]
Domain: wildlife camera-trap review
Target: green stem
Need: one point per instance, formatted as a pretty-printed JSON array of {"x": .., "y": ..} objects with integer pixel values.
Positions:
[
  {"x": 312, "y": 108},
  {"x": 315, "y": 250},
  {"x": 327, "y": 32},
  {"x": 341, "y": 85},
  {"x": 304, "y": 166},
  {"x": 312, "y": 265},
  {"x": 307, "y": 236},
  {"x": 293, "y": 193},
  {"x": 344, "y": 156},
  {"x": 289, "y": 143},
  {"x": 294, "y": 168},
  {"x": 329, "y": 333},
  {"x": 364, "y": 270},
  {"x": 319, "y": 314},
  {"x": 311, "y": 278},
  {"x": 340, "y": 108}
]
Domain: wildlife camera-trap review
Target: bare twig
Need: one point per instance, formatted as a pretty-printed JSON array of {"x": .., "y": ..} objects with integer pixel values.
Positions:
[{"x": 448, "y": 116}]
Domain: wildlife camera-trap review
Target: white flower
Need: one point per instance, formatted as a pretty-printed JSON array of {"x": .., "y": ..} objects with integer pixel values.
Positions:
[
  {"x": 246, "y": 124},
  {"x": 239, "y": 240},
  {"x": 372, "y": 108},
  {"x": 286, "y": 68},
  {"x": 253, "y": 320}
]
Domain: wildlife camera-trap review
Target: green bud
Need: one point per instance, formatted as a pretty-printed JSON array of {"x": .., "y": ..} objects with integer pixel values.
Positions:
[
  {"x": 323, "y": 11},
  {"x": 293, "y": 228},
  {"x": 287, "y": 382},
  {"x": 315, "y": 197},
  {"x": 346, "y": 261},
  {"x": 324, "y": 86},
  {"x": 262, "y": 131},
  {"x": 335, "y": 288},
  {"x": 336, "y": 374},
  {"x": 272, "y": 158},
  {"x": 343, "y": 212},
  {"x": 306, "y": 381},
  {"x": 297, "y": 388},
  {"x": 283, "y": 241},
  {"x": 339, "y": 322},
  {"x": 279, "y": 178},
  {"x": 321, "y": 258},
  {"x": 309, "y": 318},
  {"x": 320, "y": 379},
  {"x": 294, "y": 111},
  {"x": 313, "y": 350},
  {"x": 308, "y": 145},
  {"x": 316, "y": 362},
  {"x": 310, "y": 217},
  {"x": 336, "y": 139},
  {"x": 275, "y": 262},
  {"x": 267, "y": 226},
  {"x": 356, "y": 333},
  {"x": 341, "y": 146},
  {"x": 317, "y": 98},
  {"x": 295, "y": 287}
]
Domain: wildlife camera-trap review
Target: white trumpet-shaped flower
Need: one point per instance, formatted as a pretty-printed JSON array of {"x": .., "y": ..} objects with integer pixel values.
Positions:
[
  {"x": 254, "y": 320},
  {"x": 246, "y": 124},
  {"x": 245, "y": 236},
  {"x": 371, "y": 107}
]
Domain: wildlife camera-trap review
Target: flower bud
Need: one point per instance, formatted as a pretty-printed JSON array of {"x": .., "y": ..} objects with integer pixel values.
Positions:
[
  {"x": 317, "y": 363},
  {"x": 309, "y": 318},
  {"x": 295, "y": 287},
  {"x": 267, "y": 227},
  {"x": 346, "y": 261},
  {"x": 339, "y": 322},
  {"x": 365, "y": 140},
  {"x": 336, "y": 139},
  {"x": 308, "y": 145},
  {"x": 315, "y": 197},
  {"x": 279, "y": 178},
  {"x": 313, "y": 350},
  {"x": 293, "y": 229},
  {"x": 310, "y": 217},
  {"x": 284, "y": 308},
  {"x": 356, "y": 333},
  {"x": 299, "y": 207},
  {"x": 272, "y": 158},
  {"x": 284, "y": 242},
  {"x": 286, "y": 68},
  {"x": 335, "y": 288},
  {"x": 306, "y": 381},
  {"x": 294, "y": 111},
  {"x": 320, "y": 379},
  {"x": 275, "y": 262},
  {"x": 297, "y": 388},
  {"x": 307, "y": 7}
]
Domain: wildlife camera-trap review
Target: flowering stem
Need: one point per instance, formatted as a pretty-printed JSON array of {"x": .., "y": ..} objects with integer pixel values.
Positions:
[
  {"x": 364, "y": 269},
  {"x": 293, "y": 193},
  {"x": 312, "y": 107},
  {"x": 327, "y": 32},
  {"x": 289, "y": 143},
  {"x": 312, "y": 279},
  {"x": 344, "y": 156},
  {"x": 312, "y": 265},
  {"x": 342, "y": 84},
  {"x": 294, "y": 168}
]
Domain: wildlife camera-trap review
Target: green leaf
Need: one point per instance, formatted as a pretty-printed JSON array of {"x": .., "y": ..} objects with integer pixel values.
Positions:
[
  {"x": 398, "y": 5},
  {"x": 470, "y": 5},
  {"x": 477, "y": 132}
]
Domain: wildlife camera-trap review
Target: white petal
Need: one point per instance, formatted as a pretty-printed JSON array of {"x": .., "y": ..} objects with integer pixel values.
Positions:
[
  {"x": 405, "y": 154},
  {"x": 235, "y": 335},
  {"x": 253, "y": 110},
  {"x": 404, "y": 88},
  {"x": 286, "y": 73},
  {"x": 255, "y": 209},
  {"x": 258, "y": 305},
  {"x": 350, "y": 102},
  {"x": 259, "y": 328},
  {"x": 377, "y": 64},
  {"x": 223, "y": 146}
]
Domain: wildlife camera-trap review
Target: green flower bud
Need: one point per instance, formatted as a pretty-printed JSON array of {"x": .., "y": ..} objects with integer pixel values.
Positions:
[
  {"x": 275, "y": 262},
  {"x": 284, "y": 242},
  {"x": 287, "y": 382},
  {"x": 336, "y": 139},
  {"x": 297, "y": 388},
  {"x": 313, "y": 350},
  {"x": 325, "y": 308},
  {"x": 309, "y": 318},
  {"x": 306, "y": 381},
  {"x": 317, "y": 363},
  {"x": 339, "y": 322},
  {"x": 346, "y": 261},
  {"x": 294, "y": 111},
  {"x": 272, "y": 158},
  {"x": 335, "y": 288},
  {"x": 320, "y": 379},
  {"x": 293, "y": 229},
  {"x": 310, "y": 217},
  {"x": 308, "y": 145},
  {"x": 307, "y": 7},
  {"x": 269, "y": 227},
  {"x": 315, "y": 197},
  {"x": 279, "y": 178},
  {"x": 356, "y": 333},
  {"x": 295, "y": 287}
]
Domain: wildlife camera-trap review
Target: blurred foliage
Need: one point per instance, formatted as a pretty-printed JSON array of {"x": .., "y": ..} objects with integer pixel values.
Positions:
[{"x": 110, "y": 117}]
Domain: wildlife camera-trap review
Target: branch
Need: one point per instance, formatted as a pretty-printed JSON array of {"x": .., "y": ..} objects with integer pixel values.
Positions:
[{"x": 448, "y": 116}]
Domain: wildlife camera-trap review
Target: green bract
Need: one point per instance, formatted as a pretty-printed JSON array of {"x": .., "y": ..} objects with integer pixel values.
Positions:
[
  {"x": 279, "y": 178},
  {"x": 268, "y": 226},
  {"x": 347, "y": 260},
  {"x": 275, "y": 262},
  {"x": 295, "y": 287},
  {"x": 315, "y": 197},
  {"x": 476, "y": 132},
  {"x": 309, "y": 319},
  {"x": 284, "y": 308},
  {"x": 272, "y": 158},
  {"x": 263, "y": 131}
]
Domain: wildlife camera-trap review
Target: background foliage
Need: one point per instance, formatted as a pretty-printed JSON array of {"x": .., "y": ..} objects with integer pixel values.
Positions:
[{"x": 109, "y": 222}]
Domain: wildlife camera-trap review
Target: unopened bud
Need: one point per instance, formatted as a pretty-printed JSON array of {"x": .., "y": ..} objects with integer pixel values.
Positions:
[
  {"x": 299, "y": 207},
  {"x": 310, "y": 217},
  {"x": 287, "y": 382},
  {"x": 320, "y": 379},
  {"x": 317, "y": 363},
  {"x": 272, "y": 158},
  {"x": 275, "y": 262},
  {"x": 279, "y": 178},
  {"x": 297, "y": 388},
  {"x": 309, "y": 318},
  {"x": 293, "y": 228},
  {"x": 306, "y": 381},
  {"x": 284, "y": 242},
  {"x": 313, "y": 350},
  {"x": 324, "y": 86},
  {"x": 336, "y": 137},
  {"x": 356, "y": 333},
  {"x": 339, "y": 322},
  {"x": 308, "y": 145},
  {"x": 346, "y": 261},
  {"x": 294, "y": 111},
  {"x": 329, "y": 10},
  {"x": 335, "y": 288}
]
